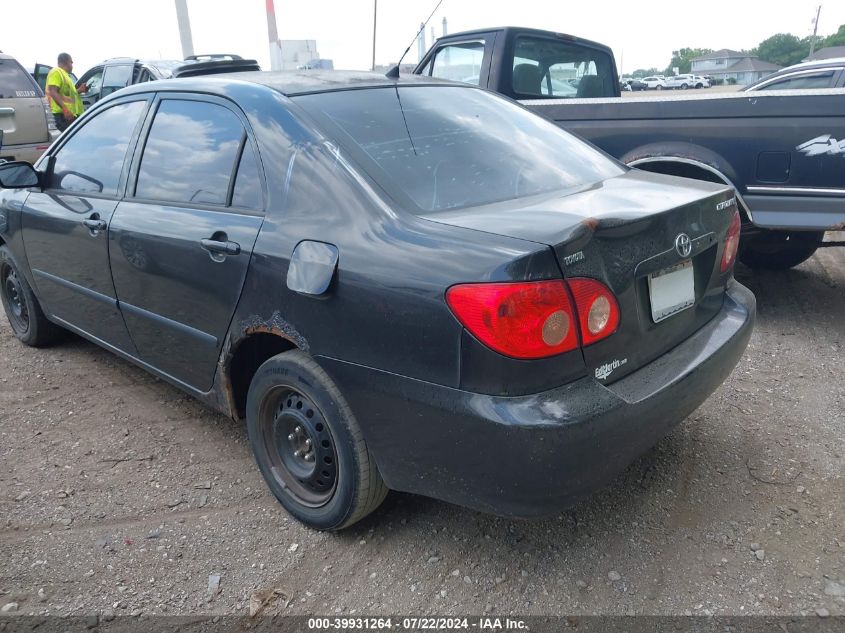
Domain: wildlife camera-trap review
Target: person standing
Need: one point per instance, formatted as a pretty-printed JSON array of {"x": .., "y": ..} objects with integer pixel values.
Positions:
[{"x": 65, "y": 103}]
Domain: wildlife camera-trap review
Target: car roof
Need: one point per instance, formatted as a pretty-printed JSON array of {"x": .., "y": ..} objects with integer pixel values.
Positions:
[
  {"x": 522, "y": 31},
  {"x": 817, "y": 63},
  {"x": 289, "y": 83}
]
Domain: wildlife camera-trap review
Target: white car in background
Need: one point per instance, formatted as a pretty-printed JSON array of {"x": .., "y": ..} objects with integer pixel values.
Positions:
[
  {"x": 654, "y": 82},
  {"x": 680, "y": 82}
]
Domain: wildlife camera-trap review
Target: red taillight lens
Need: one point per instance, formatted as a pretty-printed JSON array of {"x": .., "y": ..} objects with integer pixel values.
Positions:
[
  {"x": 523, "y": 320},
  {"x": 731, "y": 242},
  {"x": 597, "y": 308}
]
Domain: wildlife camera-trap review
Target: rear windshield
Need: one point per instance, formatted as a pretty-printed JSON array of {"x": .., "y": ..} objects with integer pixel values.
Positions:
[
  {"x": 444, "y": 147},
  {"x": 15, "y": 82}
]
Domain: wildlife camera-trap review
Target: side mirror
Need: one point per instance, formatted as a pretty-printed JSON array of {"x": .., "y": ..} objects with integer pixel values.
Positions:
[{"x": 18, "y": 175}]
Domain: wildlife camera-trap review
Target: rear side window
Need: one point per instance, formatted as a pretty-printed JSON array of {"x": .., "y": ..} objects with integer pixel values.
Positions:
[
  {"x": 248, "y": 193},
  {"x": 15, "y": 82},
  {"x": 459, "y": 62},
  {"x": 190, "y": 153},
  {"x": 552, "y": 68},
  {"x": 92, "y": 159}
]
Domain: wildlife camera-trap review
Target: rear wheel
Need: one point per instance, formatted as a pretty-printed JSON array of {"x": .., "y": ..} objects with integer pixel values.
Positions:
[
  {"x": 309, "y": 446},
  {"x": 779, "y": 250},
  {"x": 658, "y": 87},
  {"x": 22, "y": 308}
]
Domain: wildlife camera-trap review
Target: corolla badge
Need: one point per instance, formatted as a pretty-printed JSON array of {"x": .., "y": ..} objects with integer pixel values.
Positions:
[
  {"x": 683, "y": 244},
  {"x": 824, "y": 144}
]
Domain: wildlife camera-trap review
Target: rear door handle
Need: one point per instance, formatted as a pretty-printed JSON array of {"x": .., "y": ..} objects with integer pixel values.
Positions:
[
  {"x": 221, "y": 248},
  {"x": 94, "y": 223}
]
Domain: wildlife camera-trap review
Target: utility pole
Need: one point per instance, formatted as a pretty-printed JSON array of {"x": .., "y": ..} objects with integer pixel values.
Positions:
[
  {"x": 273, "y": 37},
  {"x": 815, "y": 30},
  {"x": 184, "y": 28},
  {"x": 375, "y": 14}
]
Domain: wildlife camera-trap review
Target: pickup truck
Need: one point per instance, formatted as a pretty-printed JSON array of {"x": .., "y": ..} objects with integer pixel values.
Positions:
[{"x": 782, "y": 151}]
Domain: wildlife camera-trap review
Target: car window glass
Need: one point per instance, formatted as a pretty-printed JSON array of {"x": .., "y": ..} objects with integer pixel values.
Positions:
[
  {"x": 15, "y": 81},
  {"x": 190, "y": 153},
  {"x": 553, "y": 68},
  {"x": 95, "y": 82},
  {"x": 802, "y": 82},
  {"x": 115, "y": 78},
  {"x": 92, "y": 159},
  {"x": 459, "y": 62},
  {"x": 247, "y": 192},
  {"x": 447, "y": 147}
]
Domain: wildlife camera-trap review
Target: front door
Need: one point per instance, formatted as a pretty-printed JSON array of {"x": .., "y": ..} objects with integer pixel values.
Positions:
[
  {"x": 65, "y": 227},
  {"x": 180, "y": 247}
]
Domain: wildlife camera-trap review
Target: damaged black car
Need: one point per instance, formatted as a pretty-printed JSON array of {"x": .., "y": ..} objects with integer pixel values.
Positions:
[{"x": 397, "y": 284}]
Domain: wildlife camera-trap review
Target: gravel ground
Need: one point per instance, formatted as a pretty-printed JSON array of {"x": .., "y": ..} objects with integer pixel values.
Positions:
[{"x": 119, "y": 494}]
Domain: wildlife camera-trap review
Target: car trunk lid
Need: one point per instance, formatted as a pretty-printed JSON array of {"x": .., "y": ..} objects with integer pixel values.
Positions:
[
  {"x": 22, "y": 118},
  {"x": 628, "y": 232}
]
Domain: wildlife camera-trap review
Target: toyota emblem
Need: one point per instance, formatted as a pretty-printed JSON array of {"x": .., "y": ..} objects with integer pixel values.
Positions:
[{"x": 683, "y": 244}]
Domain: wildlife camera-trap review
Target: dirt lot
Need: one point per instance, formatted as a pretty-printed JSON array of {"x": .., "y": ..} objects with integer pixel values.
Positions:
[{"x": 120, "y": 494}]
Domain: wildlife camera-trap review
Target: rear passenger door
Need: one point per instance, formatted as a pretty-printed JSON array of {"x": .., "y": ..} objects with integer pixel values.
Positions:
[{"x": 180, "y": 242}]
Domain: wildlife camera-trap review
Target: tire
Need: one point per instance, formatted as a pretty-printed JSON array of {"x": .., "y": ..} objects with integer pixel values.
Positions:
[
  {"x": 658, "y": 87},
  {"x": 24, "y": 312},
  {"x": 294, "y": 411},
  {"x": 684, "y": 86},
  {"x": 779, "y": 250}
]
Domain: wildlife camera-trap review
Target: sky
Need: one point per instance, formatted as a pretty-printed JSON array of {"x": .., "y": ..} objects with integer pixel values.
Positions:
[{"x": 642, "y": 33}]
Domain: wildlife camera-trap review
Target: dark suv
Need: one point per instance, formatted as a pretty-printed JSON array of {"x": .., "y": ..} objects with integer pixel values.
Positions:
[
  {"x": 405, "y": 283},
  {"x": 119, "y": 72}
]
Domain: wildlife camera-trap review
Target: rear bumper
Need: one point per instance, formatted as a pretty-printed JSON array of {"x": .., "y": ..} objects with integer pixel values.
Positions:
[
  {"x": 534, "y": 455},
  {"x": 811, "y": 212},
  {"x": 29, "y": 152}
]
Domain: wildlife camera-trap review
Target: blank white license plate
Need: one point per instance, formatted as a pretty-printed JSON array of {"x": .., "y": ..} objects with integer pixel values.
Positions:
[{"x": 671, "y": 291}]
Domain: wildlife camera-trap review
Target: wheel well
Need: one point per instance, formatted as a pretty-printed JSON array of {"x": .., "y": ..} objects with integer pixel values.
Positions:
[
  {"x": 687, "y": 170},
  {"x": 249, "y": 355}
]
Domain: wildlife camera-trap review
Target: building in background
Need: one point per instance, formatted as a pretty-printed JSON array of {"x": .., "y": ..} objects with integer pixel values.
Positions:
[
  {"x": 726, "y": 64},
  {"x": 831, "y": 52},
  {"x": 302, "y": 54}
]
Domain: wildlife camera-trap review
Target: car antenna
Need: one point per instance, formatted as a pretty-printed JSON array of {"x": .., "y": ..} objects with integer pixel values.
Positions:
[{"x": 393, "y": 73}]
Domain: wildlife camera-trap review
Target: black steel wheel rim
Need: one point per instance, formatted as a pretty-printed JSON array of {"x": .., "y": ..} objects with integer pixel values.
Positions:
[
  {"x": 13, "y": 294},
  {"x": 298, "y": 446}
]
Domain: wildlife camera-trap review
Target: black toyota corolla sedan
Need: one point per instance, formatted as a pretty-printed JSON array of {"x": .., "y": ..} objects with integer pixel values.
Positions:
[{"x": 398, "y": 284}]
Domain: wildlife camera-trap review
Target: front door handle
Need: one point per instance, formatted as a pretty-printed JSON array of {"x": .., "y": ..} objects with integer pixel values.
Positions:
[
  {"x": 219, "y": 247},
  {"x": 94, "y": 223}
]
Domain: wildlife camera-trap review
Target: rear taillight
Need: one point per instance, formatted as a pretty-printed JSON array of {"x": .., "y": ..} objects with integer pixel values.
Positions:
[
  {"x": 51, "y": 121},
  {"x": 597, "y": 308},
  {"x": 535, "y": 319},
  {"x": 731, "y": 242},
  {"x": 523, "y": 320}
]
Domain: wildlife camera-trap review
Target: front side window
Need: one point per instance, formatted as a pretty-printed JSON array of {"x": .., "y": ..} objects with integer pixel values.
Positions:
[
  {"x": 95, "y": 82},
  {"x": 190, "y": 153},
  {"x": 802, "y": 82},
  {"x": 544, "y": 67},
  {"x": 92, "y": 159},
  {"x": 444, "y": 147},
  {"x": 459, "y": 62},
  {"x": 116, "y": 77}
]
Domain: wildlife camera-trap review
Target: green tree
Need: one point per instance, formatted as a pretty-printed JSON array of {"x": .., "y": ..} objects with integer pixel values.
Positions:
[
  {"x": 643, "y": 72},
  {"x": 837, "y": 39},
  {"x": 682, "y": 59},
  {"x": 783, "y": 49}
]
